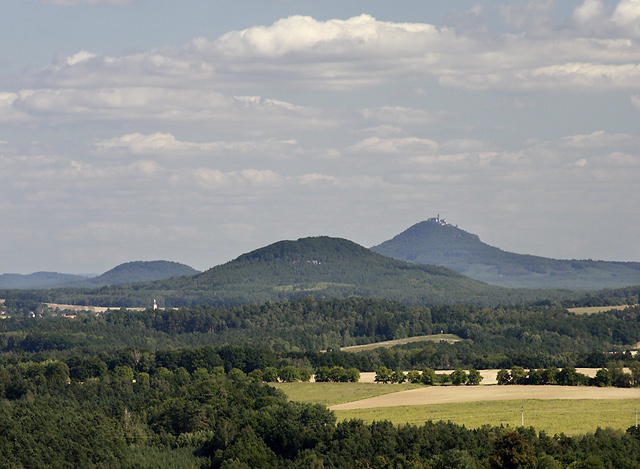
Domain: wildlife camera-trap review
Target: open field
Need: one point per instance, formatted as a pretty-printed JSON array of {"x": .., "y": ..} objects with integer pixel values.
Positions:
[
  {"x": 93, "y": 309},
  {"x": 455, "y": 394},
  {"x": 338, "y": 393},
  {"x": 554, "y": 409},
  {"x": 391, "y": 343},
  {"x": 555, "y": 416},
  {"x": 596, "y": 309}
]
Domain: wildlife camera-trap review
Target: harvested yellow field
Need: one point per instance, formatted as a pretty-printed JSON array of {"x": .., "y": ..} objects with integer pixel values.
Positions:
[
  {"x": 596, "y": 309},
  {"x": 450, "y": 338},
  {"x": 450, "y": 394},
  {"x": 92, "y": 309}
]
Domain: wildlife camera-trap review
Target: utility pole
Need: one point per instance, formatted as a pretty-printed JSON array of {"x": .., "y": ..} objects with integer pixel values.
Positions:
[
  {"x": 636, "y": 418},
  {"x": 522, "y": 410}
]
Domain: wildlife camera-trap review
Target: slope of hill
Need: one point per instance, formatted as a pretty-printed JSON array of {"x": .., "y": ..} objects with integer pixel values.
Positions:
[
  {"x": 140, "y": 271},
  {"x": 321, "y": 266},
  {"x": 38, "y": 280},
  {"x": 437, "y": 243}
]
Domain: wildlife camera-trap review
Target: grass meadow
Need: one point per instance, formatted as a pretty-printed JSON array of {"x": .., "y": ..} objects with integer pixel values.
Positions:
[
  {"x": 554, "y": 416},
  {"x": 338, "y": 393},
  {"x": 392, "y": 343}
]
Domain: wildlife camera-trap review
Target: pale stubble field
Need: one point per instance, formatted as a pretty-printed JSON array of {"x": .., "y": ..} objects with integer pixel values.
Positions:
[{"x": 553, "y": 409}]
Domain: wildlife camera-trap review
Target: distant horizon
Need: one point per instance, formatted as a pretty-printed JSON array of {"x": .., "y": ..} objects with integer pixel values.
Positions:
[
  {"x": 430, "y": 219},
  {"x": 125, "y": 134}
]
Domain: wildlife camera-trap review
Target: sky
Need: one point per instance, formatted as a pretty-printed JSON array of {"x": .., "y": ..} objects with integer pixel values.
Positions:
[{"x": 196, "y": 131}]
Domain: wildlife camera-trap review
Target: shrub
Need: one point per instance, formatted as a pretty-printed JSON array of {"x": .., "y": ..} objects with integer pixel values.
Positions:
[
  {"x": 458, "y": 377},
  {"x": 429, "y": 377}
]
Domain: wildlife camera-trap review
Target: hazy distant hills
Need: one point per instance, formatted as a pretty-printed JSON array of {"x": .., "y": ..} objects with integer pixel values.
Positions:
[
  {"x": 320, "y": 266},
  {"x": 38, "y": 280},
  {"x": 130, "y": 272},
  {"x": 437, "y": 243}
]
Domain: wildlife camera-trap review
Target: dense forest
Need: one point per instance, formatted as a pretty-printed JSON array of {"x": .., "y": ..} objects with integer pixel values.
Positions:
[
  {"x": 188, "y": 387},
  {"x": 81, "y": 414},
  {"x": 534, "y": 336}
]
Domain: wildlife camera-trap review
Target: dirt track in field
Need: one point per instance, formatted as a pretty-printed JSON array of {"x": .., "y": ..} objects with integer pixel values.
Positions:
[{"x": 452, "y": 394}]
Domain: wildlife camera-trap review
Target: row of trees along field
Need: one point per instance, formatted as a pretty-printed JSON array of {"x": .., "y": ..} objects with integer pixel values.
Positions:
[
  {"x": 613, "y": 375},
  {"x": 232, "y": 420},
  {"x": 428, "y": 377}
]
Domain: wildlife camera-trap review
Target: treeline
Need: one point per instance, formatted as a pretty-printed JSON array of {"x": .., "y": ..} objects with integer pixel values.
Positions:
[
  {"x": 613, "y": 375},
  {"x": 270, "y": 366},
  {"x": 308, "y": 324},
  {"x": 265, "y": 365},
  {"x": 233, "y": 420},
  {"x": 428, "y": 377},
  {"x": 533, "y": 337},
  {"x": 606, "y": 297}
]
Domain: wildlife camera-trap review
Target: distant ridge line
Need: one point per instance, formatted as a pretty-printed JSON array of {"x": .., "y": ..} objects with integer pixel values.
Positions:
[{"x": 436, "y": 242}]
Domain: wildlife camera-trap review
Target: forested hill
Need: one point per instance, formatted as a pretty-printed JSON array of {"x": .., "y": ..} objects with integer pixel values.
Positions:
[
  {"x": 431, "y": 242},
  {"x": 140, "y": 271},
  {"x": 327, "y": 267},
  {"x": 321, "y": 266}
]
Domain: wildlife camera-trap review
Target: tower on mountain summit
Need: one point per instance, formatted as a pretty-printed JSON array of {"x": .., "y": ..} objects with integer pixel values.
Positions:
[{"x": 438, "y": 220}]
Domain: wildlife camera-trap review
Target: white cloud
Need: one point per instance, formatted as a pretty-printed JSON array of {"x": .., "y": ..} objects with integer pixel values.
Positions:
[
  {"x": 394, "y": 145},
  {"x": 236, "y": 182},
  {"x": 467, "y": 145},
  {"x": 303, "y": 52},
  {"x": 298, "y": 34},
  {"x": 166, "y": 143},
  {"x": 79, "y": 57},
  {"x": 70, "y": 105},
  {"x": 595, "y": 17},
  {"x": 8, "y": 112},
  {"x": 627, "y": 13},
  {"x": 316, "y": 179},
  {"x": 589, "y": 12},
  {"x": 600, "y": 139},
  {"x": 622, "y": 159},
  {"x": 401, "y": 115}
]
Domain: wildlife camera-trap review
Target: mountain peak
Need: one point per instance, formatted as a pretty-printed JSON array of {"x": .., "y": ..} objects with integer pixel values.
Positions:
[
  {"x": 317, "y": 248},
  {"x": 417, "y": 243},
  {"x": 435, "y": 242}
]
